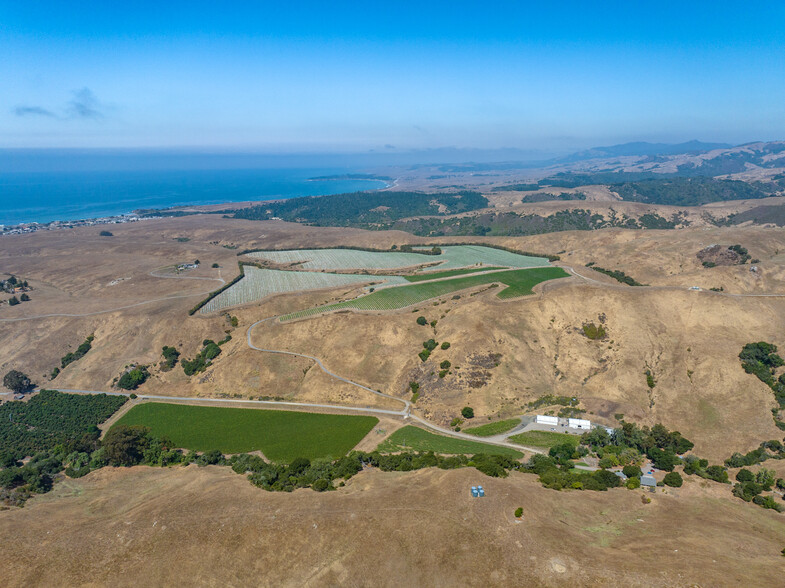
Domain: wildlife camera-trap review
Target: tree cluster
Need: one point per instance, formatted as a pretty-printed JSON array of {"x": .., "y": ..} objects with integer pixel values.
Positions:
[
  {"x": 133, "y": 378},
  {"x": 210, "y": 350},
  {"x": 80, "y": 352},
  {"x": 363, "y": 209}
]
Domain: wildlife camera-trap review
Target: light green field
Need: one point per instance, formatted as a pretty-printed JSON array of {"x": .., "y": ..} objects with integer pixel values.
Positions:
[
  {"x": 413, "y": 438},
  {"x": 343, "y": 259},
  {"x": 493, "y": 428},
  {"x": 260, "y": 283},
  {"x": 519, "y": 283},
  {"x": 544, "y": 439},
  {"x": 281, "y": 435},
  {"x": 452, "y": 257}
]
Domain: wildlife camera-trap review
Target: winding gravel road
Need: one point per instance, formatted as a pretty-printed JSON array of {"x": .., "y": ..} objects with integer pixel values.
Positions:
[{"x": 405, "y": 412}]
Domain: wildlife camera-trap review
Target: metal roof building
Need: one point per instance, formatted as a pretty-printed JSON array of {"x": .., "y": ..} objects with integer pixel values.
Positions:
[
  {"x": 579, "y": 424},
  {"x": 648, "y": 480}
]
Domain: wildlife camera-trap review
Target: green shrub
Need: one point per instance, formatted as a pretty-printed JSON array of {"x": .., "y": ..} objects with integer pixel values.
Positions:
[
  {"x": 633, "y": 483},
  {"x": 171, "y": 356},
  {"x": 17, "y": 381},
  {"x": 320, "y": 485},
  {"x": 210, "y": 350},
  {"x": 717, "y": 473},
  {"x": 445, "y": 365},
  {"x": 518, "y": 512},
  {"x": 430, "y": 344},
  {"x": 80, "y": 352},
  {"x": 133, "y": 378},
  {"x": 632, "y": 471},
  {"x": 422, "y": 321},
  {"x": 673, "y": 479},
  {"x": 467, "y": 412},
  {"x": 593, "y": 331},
  {"x": 446, "y": 345},
  {"x": 767, "y": 502},
  {"x": 744, "y": 475},
  {"x": 608, "y": 461}
]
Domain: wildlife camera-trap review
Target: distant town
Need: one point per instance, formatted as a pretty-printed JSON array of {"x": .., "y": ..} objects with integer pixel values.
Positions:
[{"x": 24, "y": 228}]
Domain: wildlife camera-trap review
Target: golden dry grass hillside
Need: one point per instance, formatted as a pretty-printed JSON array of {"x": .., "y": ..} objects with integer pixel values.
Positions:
[
  {"x": 207, "y": 527},
  {"x": 689, "y": 340}
]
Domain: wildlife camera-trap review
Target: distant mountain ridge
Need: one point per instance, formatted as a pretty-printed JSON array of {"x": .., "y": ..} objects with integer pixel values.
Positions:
[{"x": 642, "y": 149}]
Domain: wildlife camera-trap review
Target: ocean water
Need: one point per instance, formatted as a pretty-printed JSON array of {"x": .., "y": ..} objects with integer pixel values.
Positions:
[{"x": 47, "y": 196}]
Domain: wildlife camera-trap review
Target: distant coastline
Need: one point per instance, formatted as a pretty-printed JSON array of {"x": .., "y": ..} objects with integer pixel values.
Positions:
[
  {"x": 48, "y": 200},
  {"x": 386, "y": 179}
]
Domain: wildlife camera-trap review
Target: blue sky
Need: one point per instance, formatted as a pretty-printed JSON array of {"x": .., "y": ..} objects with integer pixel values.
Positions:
[{"x": 354, "y": 76}]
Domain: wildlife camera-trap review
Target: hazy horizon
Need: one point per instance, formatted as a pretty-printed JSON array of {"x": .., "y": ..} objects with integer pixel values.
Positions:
[{"x": 354, "y": 79}]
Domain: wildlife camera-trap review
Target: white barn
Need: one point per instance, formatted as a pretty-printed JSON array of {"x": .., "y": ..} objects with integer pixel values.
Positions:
[
  {"x": 579, "y": 424},
  {"x": 546, "y": 420}
]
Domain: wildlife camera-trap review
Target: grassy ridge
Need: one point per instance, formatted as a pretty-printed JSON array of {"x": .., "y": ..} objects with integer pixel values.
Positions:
[
  {"x": 414, "y": 438},
  {"x": 280, "y": 435},
  {"x": 493, "y": 428},
  {"x": 519, "y": 283}
]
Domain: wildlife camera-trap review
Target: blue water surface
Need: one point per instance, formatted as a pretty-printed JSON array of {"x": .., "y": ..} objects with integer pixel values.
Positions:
[{"x": 47, "y": 196}]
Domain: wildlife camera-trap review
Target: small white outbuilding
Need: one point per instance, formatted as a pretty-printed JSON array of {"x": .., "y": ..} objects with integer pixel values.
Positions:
[
  {"x": 541, "y": 419},
  {"x": 579, "y": 424}
]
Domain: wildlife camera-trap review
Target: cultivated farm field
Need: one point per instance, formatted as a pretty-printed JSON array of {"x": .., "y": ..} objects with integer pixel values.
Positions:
[
  {"x": 342, "y": 259},
  {"x": 448, "y": 273},
  {"x": 453, "y": 257},
  {"x": 281, "y": 435},
  {"x": 518, "y": 282},
  {"x": 260, "y": 283},
  {"x": 410, "y": 438},
  {"x": 544, "y": 439},
  {"x": 493, "y": 428}
]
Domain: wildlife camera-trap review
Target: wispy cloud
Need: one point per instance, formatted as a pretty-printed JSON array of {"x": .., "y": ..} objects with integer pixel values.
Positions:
[
  {"x": 33, "y": 111},
  {"x": 84, "y": 105}
]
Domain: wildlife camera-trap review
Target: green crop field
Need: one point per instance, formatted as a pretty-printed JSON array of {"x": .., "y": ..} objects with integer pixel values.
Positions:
[
  {"x": 281, "y": 435},
  {"x": 493, "y": 428},
  {"x": 411, "y": 438},
  {"x": 544, "y": 439},
  {"x": 448, "y": 274},
  {"x": 519, "y": 283}
]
